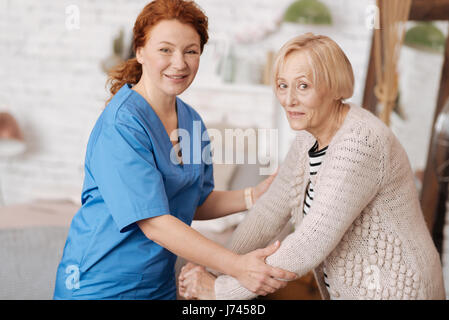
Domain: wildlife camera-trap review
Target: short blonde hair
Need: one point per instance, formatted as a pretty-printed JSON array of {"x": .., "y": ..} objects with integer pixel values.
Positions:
[{"x": 331, "y": 68}]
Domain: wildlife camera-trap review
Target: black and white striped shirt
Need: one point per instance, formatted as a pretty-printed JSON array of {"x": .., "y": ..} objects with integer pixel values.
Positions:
[{"x": 315, "y": 158}]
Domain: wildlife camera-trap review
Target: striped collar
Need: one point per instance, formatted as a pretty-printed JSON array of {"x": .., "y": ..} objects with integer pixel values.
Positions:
[{"x": 314, "y": 152}]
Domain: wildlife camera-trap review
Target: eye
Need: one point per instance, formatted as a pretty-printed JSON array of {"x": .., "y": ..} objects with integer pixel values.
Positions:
[
  {"x": 282, "y": 85},
  {"x": 192, "y": 52},
  {"x": 302, "y": 86},
  {"x": 164, "y": 50}
]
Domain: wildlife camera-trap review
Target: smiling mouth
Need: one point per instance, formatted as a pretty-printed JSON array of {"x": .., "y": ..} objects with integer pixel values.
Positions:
[
  {"x": 295, "y": 115},
  {"x": 176, "y": 77}
]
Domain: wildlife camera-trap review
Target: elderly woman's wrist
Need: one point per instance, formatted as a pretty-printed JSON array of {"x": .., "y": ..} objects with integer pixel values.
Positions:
[{"x": 248, "y": 194}]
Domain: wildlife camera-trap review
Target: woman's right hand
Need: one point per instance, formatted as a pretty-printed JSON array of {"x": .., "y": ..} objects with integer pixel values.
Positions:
[{"x": 255, "y": 275}]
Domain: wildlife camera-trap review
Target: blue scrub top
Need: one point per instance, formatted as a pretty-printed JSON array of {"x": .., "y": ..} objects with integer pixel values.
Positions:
[{"x": 129, "y": 176}]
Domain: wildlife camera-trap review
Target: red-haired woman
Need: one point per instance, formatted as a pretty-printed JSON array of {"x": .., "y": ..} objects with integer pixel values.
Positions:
[{"x": 138, "y": 198}]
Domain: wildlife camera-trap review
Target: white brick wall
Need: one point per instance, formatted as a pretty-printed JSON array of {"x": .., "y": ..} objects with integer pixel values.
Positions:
[{"x": 51, "y": 80}]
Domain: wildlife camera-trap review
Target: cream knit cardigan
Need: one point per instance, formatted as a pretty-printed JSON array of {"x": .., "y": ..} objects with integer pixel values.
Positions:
[{"x": 365, "y": 224}]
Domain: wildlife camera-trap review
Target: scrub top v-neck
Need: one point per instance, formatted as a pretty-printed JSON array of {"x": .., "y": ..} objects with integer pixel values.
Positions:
[{"x": 130, "y": 176}]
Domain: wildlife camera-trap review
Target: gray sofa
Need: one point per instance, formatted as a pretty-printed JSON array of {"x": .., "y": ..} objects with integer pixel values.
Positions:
[{"x": 32, "y": 238}]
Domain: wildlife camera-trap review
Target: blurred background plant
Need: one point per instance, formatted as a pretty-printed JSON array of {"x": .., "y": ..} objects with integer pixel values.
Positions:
[
  {"x": 308, "y": 12},
  {"x": 425, "y": 36}
]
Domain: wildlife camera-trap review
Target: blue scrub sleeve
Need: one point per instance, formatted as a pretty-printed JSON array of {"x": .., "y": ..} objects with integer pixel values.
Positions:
[
  {"x": 208, "y": 182},
  {"x": 123, "y": 167}
]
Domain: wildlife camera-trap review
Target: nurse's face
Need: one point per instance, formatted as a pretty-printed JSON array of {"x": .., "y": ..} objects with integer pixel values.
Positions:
[{"x": 170, "y": 57}]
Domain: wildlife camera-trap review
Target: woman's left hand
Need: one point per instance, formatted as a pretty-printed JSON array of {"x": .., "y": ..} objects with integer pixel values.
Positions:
[
  {"x": 263, "y": 186},
  {"x": 184, "y": 270},
  {"x": 197, "y": 283}
]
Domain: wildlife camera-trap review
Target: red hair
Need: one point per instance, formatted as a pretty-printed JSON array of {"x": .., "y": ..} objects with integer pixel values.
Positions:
[{"x": 182, "y": 10}]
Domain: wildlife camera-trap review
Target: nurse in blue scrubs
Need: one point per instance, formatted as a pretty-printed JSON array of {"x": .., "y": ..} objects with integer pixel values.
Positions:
[{"x": 140, "y": 194}]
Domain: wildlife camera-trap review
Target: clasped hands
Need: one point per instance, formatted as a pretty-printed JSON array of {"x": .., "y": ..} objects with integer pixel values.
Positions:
[{"x": 195, "y": 282}]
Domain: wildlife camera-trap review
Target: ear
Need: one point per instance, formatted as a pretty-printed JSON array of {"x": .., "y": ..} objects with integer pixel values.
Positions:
[{"x": 139, "y": 55}]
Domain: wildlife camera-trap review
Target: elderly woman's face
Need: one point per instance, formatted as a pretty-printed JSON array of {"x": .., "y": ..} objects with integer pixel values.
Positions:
[{"x": 305, "y": 106}]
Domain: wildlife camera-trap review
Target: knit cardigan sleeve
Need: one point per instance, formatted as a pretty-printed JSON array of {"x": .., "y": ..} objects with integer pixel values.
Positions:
[
  {"x": 271, "y": 212},
  {"x": 348, "y": 180}
]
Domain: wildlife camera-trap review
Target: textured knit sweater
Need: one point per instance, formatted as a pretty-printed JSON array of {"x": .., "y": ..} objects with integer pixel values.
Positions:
[{"x": 365, "y": 226}]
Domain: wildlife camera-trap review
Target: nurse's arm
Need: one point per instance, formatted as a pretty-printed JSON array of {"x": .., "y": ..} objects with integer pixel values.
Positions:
[
  {"x": 249, "y": 269},
  {"x": 222, "y": 203}
]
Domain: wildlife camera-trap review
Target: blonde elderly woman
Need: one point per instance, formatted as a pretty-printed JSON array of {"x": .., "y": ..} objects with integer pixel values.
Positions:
[{"x": 348, "y": 184}]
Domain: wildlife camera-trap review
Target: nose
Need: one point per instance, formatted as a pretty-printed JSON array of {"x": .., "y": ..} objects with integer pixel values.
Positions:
[
  {"x": 178, "y": 61},
  {"x": 292, "y": 99}
]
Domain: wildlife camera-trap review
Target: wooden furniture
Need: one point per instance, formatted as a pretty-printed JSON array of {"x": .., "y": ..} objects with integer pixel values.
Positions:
[{"x": 432, "y": 198}]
